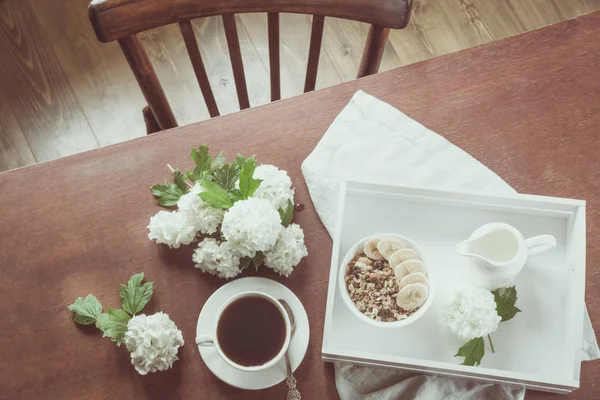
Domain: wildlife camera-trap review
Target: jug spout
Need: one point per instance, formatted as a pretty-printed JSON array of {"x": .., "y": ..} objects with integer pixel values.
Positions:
[{"x": 463, "y": 248}]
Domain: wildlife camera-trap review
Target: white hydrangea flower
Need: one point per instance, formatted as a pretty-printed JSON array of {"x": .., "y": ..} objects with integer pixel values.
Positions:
[
  {"x": 221, "y": 259},
  {"x": 473, "y": 313},
  {"x": 153, "y": 341},
  {"x": 206, "y": 219},
  {"x": 288, "y": 251},
  {"x": 204, "y": 254},
  {"x": 276, "y": 186},
  {"x": 172, "y": 228},
  {"x": 252, "y": 225}
]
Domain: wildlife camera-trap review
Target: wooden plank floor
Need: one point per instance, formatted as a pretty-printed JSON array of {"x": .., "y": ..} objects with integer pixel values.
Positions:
[{"x": 62, "y": 92}]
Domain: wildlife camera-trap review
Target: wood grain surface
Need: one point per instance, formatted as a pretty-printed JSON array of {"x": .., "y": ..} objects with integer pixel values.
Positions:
[
  {"x": 98, "y": 74},
  {"x": 110, "y": 99},
  {"x": 13, "y": 144},
  {"x": 32, "y": 80},
  {"x": 527, "y": 107},
  {"x": 344, "y": 42}
]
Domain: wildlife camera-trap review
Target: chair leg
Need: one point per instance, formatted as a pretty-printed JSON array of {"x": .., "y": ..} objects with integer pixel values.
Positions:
[
  {"x": 150, "y": 120},
  {"x": 373, "y": 52}
]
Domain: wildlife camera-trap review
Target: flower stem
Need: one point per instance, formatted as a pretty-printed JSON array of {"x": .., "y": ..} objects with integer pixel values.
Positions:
[
  {"x": 491, "y": 344},
  {"x": 172, "y": 170}
]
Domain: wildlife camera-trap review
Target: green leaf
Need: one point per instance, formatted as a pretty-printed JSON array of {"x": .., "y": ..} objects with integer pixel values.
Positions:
[
  {"x": 258, "y": 259},
  {"x": 113, "y": 324},
  {"x": 240, "y": 160},
  {"x": 196, "y": 175},
  {"x": 244, "y": 262},
  {"x": 202, "y": 159},
  {"x": 167, "y": 194},
  {"x": 287, "y": 215},
  {"x": 135, "y": 296},
  {"x": 505, "y": 299},
  {"x": 86, "y": 311},
  {"x": 192, "y": 176},
  {"x": 235, "y": 195},
  {"x": 248, "y": 184},
  {"x": 472, "y": 351},
  {"x": 180, "y": 181},
  {"x": 219, "y": 160},
  {"x": 215, "y": 196},
  {"x": 226, "y": 176}
]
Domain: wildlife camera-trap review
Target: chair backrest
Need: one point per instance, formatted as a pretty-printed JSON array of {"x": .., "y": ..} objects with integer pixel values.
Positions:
[{"x": 122, "y": 19}]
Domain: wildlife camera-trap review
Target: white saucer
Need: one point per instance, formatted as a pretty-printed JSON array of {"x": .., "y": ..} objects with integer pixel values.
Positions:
[{"x": 268, "y": 377}]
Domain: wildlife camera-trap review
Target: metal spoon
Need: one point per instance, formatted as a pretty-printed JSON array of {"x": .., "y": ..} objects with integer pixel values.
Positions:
[{"x": 293, "y": 393}]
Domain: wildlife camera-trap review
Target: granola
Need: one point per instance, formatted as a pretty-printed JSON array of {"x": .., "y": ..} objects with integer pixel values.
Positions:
[{"x": 373, "y": 286}]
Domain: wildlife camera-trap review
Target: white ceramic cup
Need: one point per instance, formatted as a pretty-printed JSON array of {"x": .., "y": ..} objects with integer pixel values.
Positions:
[
  {"x": 358, "y": 248},
  {"x": 212, "y": 339}
]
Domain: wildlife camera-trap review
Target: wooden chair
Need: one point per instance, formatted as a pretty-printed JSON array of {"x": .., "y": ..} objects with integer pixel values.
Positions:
[{"x": 122, "y": 19}]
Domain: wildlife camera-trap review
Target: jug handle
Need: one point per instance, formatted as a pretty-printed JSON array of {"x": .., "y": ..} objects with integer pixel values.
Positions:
[{"x": 540, "y": 244}]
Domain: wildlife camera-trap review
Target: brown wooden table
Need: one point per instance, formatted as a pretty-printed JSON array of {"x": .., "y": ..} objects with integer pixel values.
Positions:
[{"x": 528, "y": 107}]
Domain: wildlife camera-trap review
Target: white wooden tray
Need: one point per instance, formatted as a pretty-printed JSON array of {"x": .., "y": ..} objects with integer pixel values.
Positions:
[{"x": 540, "y": 348}]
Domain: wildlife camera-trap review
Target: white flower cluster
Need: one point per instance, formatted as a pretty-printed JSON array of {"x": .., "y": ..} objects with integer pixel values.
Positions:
[
  {"x": 204, "y": 218},
  {"x": 215, "y": 258},
  {"x": 153, "y": 341},
  {"x": 473, "y": 313},
  {"x": 248, "y": 228},
  {"x": 171, "y": 228},
  {"x": 252, "y": 225},
  {"x": 288, "y": 251},
  {"x": 276, "y": 186},
  {"x": 181, "y": 227}
]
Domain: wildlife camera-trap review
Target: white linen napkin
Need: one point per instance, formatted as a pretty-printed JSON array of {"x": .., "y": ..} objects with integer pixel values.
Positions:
[{"x": 372, "y": 141}]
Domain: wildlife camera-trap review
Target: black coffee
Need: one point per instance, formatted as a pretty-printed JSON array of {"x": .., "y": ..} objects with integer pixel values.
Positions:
[{"x": 251, "y": 331}]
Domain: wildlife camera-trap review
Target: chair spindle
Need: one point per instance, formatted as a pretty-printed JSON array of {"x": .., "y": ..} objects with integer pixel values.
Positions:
[
  {"x": 191, "y": 44},
  {"x": 274, "y": 66},
  {"x": 316, "y": 37},
  {"x": 235, "y": 54},
  {"x": 148, "y": 81},
  {"x": 373, "y": 52}
]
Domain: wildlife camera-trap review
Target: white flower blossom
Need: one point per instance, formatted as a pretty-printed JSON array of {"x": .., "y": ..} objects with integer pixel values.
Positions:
[
  {"x": 288, "y": 251},
  {"x": 172, "y": 228},
  {"x": 276, "y": 186},
  {"x": 252, "y": 225},
  {"x": 205, "y": 219},
  {"x": 153, "y": 341},
  {"x": 473, "y": 313},
  {"x": 221, "y": 259}
]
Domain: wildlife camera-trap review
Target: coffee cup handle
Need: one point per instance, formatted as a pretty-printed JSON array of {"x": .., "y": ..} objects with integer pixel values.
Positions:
[{"x": 205, "y": 341}]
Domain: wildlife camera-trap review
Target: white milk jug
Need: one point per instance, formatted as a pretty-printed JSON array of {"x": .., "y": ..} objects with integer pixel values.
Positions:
[{"x": 498, "y": 252}]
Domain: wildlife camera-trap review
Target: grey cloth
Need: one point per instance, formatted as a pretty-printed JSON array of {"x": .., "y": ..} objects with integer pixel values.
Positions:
[
  {"x": 372, "y": 141},
  {"x": 362, "y": 383}
]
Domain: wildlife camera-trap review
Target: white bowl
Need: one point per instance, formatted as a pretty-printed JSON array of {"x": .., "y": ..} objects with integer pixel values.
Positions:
[{"x": 358, "y": 248}]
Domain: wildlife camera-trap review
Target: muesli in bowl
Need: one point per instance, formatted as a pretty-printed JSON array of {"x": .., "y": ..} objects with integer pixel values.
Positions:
[{"x": 384, "y": 281}]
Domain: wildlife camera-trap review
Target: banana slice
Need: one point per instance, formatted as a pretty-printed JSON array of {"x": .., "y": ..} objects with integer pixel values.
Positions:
[
  {"x": 415, "y": 277},
  {"x": 387, "y": 247},
  {"x": 408, "y": 267},
  {"x": 412, "y": 296},
  {"x": 371, "y": 251},
  {"x": 402, "y": 255}
]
